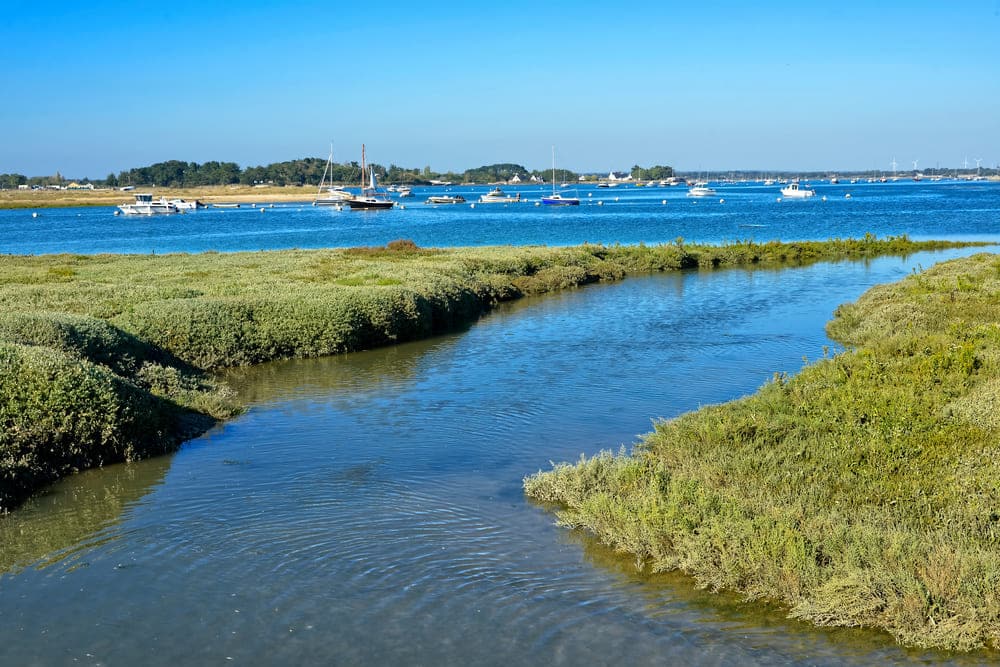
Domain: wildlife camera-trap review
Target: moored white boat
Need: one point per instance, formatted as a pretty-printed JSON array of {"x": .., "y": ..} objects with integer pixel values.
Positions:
[
  {"x": 794, "y": 191},
  {"x": 328, "y": 193},
  {"x": 498, "y": 196},
  {"x": 446, "y": 199},
  {"x": 145, "y": 205},
  {"x": 332, "y": 197},
  {"x": 700, "y": 189}
]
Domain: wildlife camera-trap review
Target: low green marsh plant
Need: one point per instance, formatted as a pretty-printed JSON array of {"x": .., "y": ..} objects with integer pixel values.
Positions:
[{"x": 141, "y": 332}]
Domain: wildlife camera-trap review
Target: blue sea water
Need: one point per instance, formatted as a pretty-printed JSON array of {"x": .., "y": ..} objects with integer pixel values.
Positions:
[{"x": 626, "y": 214}]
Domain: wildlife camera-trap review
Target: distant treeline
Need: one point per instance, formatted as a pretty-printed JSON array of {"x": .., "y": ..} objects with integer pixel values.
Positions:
[{"x": 309, "y": 171}]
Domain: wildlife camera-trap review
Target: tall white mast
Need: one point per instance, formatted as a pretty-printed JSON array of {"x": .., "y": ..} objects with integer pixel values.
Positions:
[{"x": 553, "y": 169}]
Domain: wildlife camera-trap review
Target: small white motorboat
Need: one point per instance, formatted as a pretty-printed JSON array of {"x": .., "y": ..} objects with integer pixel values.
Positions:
[
  {"x": 498, "y": 196},
  {"x": 700, "y": 189},
  {"x": 793, "y": 191},
  {"x": 446, "y": 199}
]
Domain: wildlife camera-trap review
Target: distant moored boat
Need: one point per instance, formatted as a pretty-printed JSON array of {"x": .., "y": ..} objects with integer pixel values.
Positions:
[{"x": 556, "y": 199}]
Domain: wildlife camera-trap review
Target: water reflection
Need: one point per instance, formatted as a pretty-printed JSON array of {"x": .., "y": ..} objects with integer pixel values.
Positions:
[
  {"x": 359, "y": 374},
  {"x": 75, "y": 515}
]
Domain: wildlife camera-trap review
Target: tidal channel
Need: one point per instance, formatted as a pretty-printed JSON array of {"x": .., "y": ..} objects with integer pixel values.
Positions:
[{"x": 368, "y": 508}]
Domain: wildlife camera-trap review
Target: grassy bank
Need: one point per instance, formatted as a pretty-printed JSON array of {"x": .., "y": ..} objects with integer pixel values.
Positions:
[
  {"x": 103, "y": 358},
  {"x": 861, "y": 492}
]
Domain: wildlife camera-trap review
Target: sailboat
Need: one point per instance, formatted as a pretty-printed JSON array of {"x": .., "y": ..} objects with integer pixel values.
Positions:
[
  {"x": 556, "y": 199},
  {"x": 370, "y": 197},
  {"x": 327, "y": 195}
]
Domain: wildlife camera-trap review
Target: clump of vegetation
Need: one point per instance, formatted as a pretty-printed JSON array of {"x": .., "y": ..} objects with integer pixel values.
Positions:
[
  {"x": 77, "y": 392},
  {"x": 60, "y": 414},
  {"x": 128, "y": 340},
  {"x": 861, "y": 492}
]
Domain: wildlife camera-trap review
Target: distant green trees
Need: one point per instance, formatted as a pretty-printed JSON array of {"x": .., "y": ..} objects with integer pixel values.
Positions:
[
  {"x": 309, "y": 171},
  {"x": 496, "y": 172},
  {"x": 178, "y": 174},
  {"x": 12, "y": 180},
  {"x": 560, "y": 175},
  {"x": 656, "y": 173}
]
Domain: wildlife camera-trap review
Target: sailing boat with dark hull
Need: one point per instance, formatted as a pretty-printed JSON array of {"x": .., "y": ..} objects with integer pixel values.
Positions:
[{"x": 370, "y": 197}]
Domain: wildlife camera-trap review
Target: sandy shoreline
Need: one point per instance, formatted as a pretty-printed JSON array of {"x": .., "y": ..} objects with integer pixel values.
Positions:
[{"x": 17, "y": 199}]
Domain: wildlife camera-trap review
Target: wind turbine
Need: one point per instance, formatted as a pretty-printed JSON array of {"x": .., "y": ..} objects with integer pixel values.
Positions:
[
  {"x": 965, "y": 164},
  {"x": 978, "y": 160},
  {"x": 893, "y": 167},
  {"x": 915, "y": 164}
]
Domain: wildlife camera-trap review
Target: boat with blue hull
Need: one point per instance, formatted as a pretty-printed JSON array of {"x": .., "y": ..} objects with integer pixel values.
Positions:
[{"x": 556, "y": 199}]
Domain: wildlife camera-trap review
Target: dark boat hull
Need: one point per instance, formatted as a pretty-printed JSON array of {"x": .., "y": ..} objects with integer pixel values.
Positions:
[{"x": 361, "y": 204}]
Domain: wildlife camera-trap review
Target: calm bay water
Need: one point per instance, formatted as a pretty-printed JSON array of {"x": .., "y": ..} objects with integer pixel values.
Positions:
[
  {"x": 923, "y": 210},
  {"x": 368, "y": 508}
]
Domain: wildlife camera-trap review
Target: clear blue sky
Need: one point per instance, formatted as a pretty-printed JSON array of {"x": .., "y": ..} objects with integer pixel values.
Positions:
[{"x": 93, "y": 88}]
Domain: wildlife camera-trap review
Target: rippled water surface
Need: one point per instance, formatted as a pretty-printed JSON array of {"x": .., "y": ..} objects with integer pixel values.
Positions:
[
  {"x": 620, "y": 215},
  {"x": 368, "y": 509}
]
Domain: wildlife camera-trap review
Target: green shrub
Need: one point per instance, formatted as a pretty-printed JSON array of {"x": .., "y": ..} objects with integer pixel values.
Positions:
[{"x": 59, "y": 414}]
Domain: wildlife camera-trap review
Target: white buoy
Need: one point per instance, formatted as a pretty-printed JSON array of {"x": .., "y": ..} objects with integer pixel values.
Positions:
[
  {"x": 537, "y": 204},
  {"x": 600, "y": 203},
  {"x": 118, "y": 212},
  {"x": 590, "y": 194},
  {"x": 664, "y": 201},
  {"x": 253, "y": 205},
  {"x": 847, "y": 196},
  {"x": 722, "y": 201},
  {"x": 616, "y": 198},
  {"x": 472, "y": 206},
  {"x": 824, "y": 197},
  {"x": 778, "y": 199},
  {"x": 262, "y": 210},
  {"x": 403, "y": 206},
  {"x": 34, "y": 215},
  {"x": 270, "y": 205}
]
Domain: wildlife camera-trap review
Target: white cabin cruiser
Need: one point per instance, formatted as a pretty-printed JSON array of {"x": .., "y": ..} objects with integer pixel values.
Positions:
[
  {"x": 145, "y": 205},
  {"x": 498, "y": 196},
  {"x": 700, "y": 189},
  {"x": 793, "y": 191}
]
